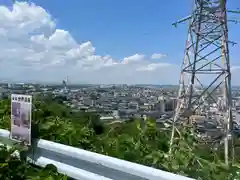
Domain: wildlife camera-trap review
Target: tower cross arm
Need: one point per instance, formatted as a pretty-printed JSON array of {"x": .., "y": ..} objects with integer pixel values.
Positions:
[
  {"x": 182, "y": 20},
  {"x": 234, "y": 11}
]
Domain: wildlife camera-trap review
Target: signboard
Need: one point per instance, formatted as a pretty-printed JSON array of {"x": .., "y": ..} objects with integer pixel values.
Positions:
[{"x": 21, "y": 114}]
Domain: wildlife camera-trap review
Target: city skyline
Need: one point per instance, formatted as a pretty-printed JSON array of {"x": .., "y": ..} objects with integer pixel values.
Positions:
[{"x": 45, "y": 42}]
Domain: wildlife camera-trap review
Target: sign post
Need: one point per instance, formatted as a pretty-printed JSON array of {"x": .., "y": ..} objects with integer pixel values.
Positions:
[{"x": 21, "y": 114}]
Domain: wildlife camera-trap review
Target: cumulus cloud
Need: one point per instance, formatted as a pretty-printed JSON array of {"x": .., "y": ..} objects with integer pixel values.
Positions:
[
  {"x": 235, "y": 68},
  {"x": 32, "y": 48},
  {"x": 154, "y": 66},
  {"x": 158, "y": 56}
]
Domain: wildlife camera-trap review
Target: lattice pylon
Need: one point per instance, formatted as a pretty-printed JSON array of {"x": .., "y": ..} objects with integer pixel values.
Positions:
[{"x": 206, "y": 66}]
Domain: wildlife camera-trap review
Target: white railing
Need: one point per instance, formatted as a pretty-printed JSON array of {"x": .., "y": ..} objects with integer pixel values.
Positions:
[{"x": 85, "y": 165}]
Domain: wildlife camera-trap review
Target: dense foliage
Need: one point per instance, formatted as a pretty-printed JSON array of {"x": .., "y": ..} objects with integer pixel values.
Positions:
[
  {"x": 137, "y": 141},
  {"x": 12, "y": 168}
]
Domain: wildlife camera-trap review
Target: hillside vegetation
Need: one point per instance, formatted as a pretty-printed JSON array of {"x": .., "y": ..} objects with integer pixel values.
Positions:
[
  {"x": 135, "y": 141},
  {"x": 11, "y": 168}
]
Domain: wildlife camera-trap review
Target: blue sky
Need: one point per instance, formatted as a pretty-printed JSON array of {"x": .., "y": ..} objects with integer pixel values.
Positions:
[{"x": 122, "y": 28}]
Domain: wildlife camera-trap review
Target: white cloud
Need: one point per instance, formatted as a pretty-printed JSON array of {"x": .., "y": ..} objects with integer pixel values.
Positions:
[
  {"x": 133, "y": 59},
  {"x": 32, "y": 48},
  {"x": 154, "y": 66},
  {"x": 158, "y": 56},
  {"x": 235, "y": 68}
]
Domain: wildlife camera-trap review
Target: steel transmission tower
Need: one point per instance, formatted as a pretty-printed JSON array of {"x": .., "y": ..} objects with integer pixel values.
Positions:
[{"x": 206, "y": 68}]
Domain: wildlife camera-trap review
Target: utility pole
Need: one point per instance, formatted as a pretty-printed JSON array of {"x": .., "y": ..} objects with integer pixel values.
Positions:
[{"x": 206, "y": 67}]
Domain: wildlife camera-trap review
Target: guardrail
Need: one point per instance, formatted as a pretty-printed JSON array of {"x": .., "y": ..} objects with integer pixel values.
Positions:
[{"x": 84, "y": 165}]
